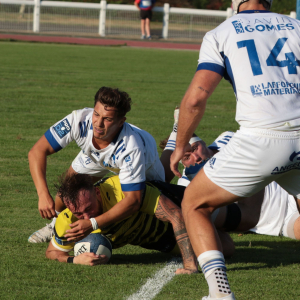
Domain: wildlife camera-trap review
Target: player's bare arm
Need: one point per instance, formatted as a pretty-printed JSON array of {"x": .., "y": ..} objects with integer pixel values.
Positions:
[
  {"x": 202, "y": 89},
  {"x": 124, "y": 209},
  {"x": 37, "y": 157},
  {"x": 191, "y": 112},
  {"x": 87, "y": 258},
  {"x": 168, "y": 211}
]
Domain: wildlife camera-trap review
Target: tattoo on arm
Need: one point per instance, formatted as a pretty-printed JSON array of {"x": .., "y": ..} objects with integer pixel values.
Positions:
[
  {"x": 202, "y": 89},
  {"x": 168, "y": 211},
  {"x": 184, "y": 244}
]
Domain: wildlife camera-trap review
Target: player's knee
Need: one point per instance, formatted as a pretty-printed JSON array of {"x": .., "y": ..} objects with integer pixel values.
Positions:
[
  {"x": 190, "y": 206},
  {"x": 297, "y": 229}
]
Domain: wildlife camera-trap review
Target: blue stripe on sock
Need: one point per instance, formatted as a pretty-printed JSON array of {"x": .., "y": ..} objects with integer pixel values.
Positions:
[{"x": 213, "y": 264}]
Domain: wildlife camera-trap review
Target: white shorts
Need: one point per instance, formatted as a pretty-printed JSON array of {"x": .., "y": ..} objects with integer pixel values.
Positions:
[
  {"x": 277, "y": 210},
  {"x": 183, "y": 181},
  {"x": 255, "y": 157}
]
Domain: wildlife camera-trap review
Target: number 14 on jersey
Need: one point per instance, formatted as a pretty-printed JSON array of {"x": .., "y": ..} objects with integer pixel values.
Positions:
[{"x": 291, "y": 62}]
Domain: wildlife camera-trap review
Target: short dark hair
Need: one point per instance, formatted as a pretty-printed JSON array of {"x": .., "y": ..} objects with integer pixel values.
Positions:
[
  {"x": 115, "y": 98},
  {"x": 265, "y": 4},
  {"x": 69, "y": 186},
  {"x": 163, "y": 143}
]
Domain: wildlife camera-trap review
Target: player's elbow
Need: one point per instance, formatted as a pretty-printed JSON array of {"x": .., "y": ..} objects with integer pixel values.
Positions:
[
  {"x": 48, "y": 254},
  {"x": 195, "y": 105},
  {"x": 133, "y": 200},
  {"x": 135, "y": 205},
  {"x": 31, "y": 154},
  {"x": 34, "y": 153}
]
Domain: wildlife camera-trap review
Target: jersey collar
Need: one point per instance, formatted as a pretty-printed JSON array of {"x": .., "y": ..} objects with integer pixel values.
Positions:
[
  {"x": 117, "y": 135},
  {"x": 254, "y": 12}
]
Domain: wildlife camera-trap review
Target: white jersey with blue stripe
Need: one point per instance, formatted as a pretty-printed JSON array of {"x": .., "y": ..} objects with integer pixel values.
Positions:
[
  {"x": 132, "y": 154},
  {"x": 259, "y": 53},
  {"x": 221, "y": 141}
]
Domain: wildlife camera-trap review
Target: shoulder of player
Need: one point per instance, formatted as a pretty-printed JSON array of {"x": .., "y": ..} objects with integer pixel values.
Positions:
[
  {"x": 76, "y": 119},
  {"x": 74, "y": 126},
  {"x": 111, "y": 191},
  {"x": 223, "y": 27},
  {"x": 133, "y": 136},
  {"x": 83, "y": 114},
  {"x": 81, "y": 122}
]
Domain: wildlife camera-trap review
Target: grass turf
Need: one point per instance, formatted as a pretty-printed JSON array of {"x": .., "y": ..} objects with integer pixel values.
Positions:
[{"x": 42, "y": 83}]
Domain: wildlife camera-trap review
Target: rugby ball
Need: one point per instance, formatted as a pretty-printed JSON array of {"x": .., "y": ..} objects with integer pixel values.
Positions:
[{"x": 94, "y": 242}]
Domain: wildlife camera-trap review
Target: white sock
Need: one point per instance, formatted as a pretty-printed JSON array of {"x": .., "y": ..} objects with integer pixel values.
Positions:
[
  {"x": 213, "y": 267},
  {"x": 52, "y": 224},
  {"x": 171, "y": 141}
]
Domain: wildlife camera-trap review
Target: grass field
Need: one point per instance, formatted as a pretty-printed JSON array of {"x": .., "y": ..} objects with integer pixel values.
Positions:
[{"x": 42, "y": 83}]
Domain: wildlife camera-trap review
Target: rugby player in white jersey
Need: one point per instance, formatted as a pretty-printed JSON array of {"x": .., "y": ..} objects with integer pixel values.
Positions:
[
  {"x": 108, "y": 144},
  {"x": 271, "y": 211},
  {"x": 258, "y": 52}
]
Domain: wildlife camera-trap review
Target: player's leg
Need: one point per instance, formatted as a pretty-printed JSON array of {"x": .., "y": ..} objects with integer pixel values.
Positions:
[
  {"x": 239, "y": 216},
  {"x": 147, "y": 27},
  {"x": 165, "y": 160},
  {"x": 197, "y": 209},
  {"x": 227, "y": 243},
  {"x": 297, "y": 228},
  {"x": 291, "y": 224},
  {"x": 230, "y": 174},
  {"x": 169, "y": 148},
  {"x": 291, "y": 227},
  {"x": 290, "y": 183},
  {"x": 250, "y": 209},
  {"x": 143, "y": 28}
]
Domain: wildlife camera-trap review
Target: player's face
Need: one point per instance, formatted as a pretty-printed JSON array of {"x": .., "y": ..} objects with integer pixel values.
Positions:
[
  {"x": 199, "y": 153},
  {"x": 89, "y": 206},
  {"x": 106, "y": 123}
]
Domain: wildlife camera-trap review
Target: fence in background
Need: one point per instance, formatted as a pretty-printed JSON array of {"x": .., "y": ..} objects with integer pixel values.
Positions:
[{"x": 113, "y": 20}]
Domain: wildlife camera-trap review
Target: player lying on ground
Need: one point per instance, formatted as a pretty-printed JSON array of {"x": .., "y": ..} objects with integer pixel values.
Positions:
[
  {"x": 271, "y": 211},
  {"x": 157, "y": 225},
  {"x": 108, "y": 144}
]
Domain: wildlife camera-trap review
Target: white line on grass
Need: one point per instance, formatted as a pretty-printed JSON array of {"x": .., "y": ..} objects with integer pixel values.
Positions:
[{"x": 154, "y": 284}]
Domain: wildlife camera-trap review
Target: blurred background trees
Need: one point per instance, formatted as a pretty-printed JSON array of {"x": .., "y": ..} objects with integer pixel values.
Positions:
[{"x": 279, "y": 6}]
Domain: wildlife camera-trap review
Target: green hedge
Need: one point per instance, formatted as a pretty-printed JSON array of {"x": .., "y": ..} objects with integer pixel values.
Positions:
[{"x": 279, "y": 6}]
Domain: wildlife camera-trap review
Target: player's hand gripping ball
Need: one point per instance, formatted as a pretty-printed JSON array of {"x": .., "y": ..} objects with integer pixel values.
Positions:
[{"x": 94, "y": 242}]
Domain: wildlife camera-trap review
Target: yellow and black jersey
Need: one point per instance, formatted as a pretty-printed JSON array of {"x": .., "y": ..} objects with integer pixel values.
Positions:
[
  {"x": 111, "y": 194},
  {"x": 141, "y": 229}
]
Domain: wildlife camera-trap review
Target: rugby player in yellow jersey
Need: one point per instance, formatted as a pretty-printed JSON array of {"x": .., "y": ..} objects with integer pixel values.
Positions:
[{"x": 157, "y": 225}]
